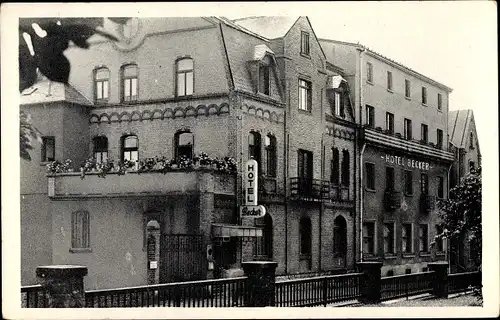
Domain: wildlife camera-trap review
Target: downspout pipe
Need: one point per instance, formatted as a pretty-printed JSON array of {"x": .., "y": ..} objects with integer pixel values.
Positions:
[
  {"x": 361, "y": 201},
  {"x": 447, "y": 238}
]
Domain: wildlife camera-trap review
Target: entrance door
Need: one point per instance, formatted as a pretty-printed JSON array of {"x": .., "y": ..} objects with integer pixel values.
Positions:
[
  {"x": 182, "y": 258},
  {"x": 339, "y": 242}
]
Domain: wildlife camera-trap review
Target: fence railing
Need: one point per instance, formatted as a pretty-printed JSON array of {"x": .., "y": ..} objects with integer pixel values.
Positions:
[
  {"x": 317, "y": 291},
  {"x": 405, "y": 285},
  {"x": 33, "y": 297},
  {"x": 205, "y": 293},
  {"x": 460, "y": 282}
]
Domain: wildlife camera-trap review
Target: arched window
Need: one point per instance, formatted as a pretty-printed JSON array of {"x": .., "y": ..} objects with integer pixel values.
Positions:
[
  {"x": 130, "y": 148},
  {"x": 184, "y": 141},
  {"x": 335, "y": 173},
  {"x": 254, "y": 144},
  {"x": 264, "y": 244},
  {"x": 345, "y": 168},
  {"x": 305, "y": 236},
  {"x": 185, "y": 77},
  {"x": 100, "y": 149},
  {"x": 271, "y": 155},
  {"x": 339, "y": 237},
  {"x": 101, "y": 84},
  {"x": 130, "y": 82}
]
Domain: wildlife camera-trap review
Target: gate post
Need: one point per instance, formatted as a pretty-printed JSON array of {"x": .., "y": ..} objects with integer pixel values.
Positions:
[
  {"x": 370, "y": 281},
  {"x": 260, "y": 284},
  {"x": 153, "y": 251},
  {"x": 440, "y": 279},
  {"x": 62, "y": 285}
]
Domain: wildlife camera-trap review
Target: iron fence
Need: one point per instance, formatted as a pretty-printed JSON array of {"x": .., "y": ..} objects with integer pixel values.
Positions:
[
  {"x": 317, "y": 291},
  {"x": 461, "y": 282},
  {"x": 33, "y": 297},
  {"x": 406, "y": 285}
]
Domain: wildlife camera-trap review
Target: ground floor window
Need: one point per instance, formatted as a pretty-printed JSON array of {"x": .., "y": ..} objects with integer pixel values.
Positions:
[
  {"x": 264, "y": 245},
  {"x": 389, "y": 238},
  {"x": 407, "y": 238},
  {"x": 369, "y": 237},
  {"x": 423, "y": 238}
]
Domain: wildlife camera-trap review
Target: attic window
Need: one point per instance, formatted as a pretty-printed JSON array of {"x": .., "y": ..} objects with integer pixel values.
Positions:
[
  {"x": 471, "y": 142},
  {"x": 304, "y": 43},
  {"x": 264, "y": 83}
]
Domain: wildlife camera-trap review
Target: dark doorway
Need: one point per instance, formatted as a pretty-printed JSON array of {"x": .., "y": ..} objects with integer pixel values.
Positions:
[
  {"x": 339, "y": 242},
  {"x": 182, "y": 258}
]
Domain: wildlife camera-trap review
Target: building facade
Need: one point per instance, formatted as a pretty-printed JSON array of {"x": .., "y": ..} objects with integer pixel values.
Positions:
[
  {"x": 404, "y": 160},
  {"x": 173, "y": 90}
]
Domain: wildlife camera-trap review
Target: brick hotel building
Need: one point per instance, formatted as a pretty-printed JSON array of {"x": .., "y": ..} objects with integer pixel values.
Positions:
[{"x": 337, "y": 158}]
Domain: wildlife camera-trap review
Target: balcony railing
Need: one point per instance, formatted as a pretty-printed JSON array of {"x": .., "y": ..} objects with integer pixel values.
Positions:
[
  {"x": 427, "y": 203},
  {"x": 309, "y": 189},
  {"x": 392, "y": 200}
]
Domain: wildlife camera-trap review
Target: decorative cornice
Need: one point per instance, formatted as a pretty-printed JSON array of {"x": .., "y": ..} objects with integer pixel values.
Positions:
[
  {"x": 340, "y": 133},
  {"x": 262, "y": 113},
  {"x": 163, "y": 100},
  {"x": 158, "y": 114}
]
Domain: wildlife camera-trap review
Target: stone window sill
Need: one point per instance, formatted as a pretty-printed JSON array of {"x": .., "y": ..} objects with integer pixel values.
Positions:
[
  {"x": 370, "y": 190},
  {"x": 424, "y": 254},
  {"x": 408, "y": 98},
  {"x": 306, "y": 112},
  {"x": 80, "y": 250},
  {"x": 390, "y": 257},
  {"x": 440, "y": 253},
  {"x": 408, "y": 255}
]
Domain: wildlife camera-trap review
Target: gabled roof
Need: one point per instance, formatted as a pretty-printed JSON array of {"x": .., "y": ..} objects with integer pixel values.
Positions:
[
  {"x": 45, "y": 91},
  {"x": 458, "y": 126},
  {"x": 271, "y": 27}
]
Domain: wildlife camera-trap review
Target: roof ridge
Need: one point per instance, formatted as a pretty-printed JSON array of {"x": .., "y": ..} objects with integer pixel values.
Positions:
[
  {"x": 236, "y": 26},
  {"x": 246, "y": 18}
]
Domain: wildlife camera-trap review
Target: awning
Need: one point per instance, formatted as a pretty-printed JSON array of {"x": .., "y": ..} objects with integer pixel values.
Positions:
[
  {"x": 231, "y": 230},
  {"x": 334, "y": 82}
]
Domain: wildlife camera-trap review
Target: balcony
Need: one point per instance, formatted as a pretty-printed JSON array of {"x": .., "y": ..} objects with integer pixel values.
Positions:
[
  {"x": 71, "y": 185},
  {"x": 339, "y": 194},
  {"x": 392, "y": 200},
  {"x": 314, "y": 190},
  {"x": 397, "y": 141},
  {"x": 427, "y": 203}
]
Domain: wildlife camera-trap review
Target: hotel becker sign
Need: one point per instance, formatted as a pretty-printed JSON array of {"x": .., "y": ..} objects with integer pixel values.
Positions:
[{"x": 406, "y": 162}]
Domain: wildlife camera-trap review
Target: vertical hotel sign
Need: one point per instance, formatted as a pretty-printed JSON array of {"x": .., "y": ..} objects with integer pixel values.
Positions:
[{"x": 251, "y": 208}]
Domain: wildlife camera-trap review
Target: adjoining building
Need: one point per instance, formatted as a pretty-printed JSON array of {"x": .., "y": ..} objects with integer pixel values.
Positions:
[
  {"x": 403, "y": 156},
  {"x": 464, "y": 144},
  {"x": 172, "y": 90}
]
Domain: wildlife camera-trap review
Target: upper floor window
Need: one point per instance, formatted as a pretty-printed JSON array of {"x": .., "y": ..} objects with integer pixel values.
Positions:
[
  {"x": 440, "y": 187},
  {"x": 48, "y": 149},
  {"x": 305, "y": 95},
  {"x": 129, "y": 82},
  {"x": 271, "y": 155},
  {"x": 424, "y": 136},
  {"x": 339, "y": 105},
  {"x": 370, "y": 175},
  {"x": 345, "y": 168},
  {"x": 408, "y": 182},
  {"x": 440, "y": 101},
  {"x": 389, "y": 80},
  {"x": 407, "y": 88},
  {"x": 439, "y": 138},
  {"x": 100, "y": 149},
  {"x": 389, "y": 178},
  {"x": 407, "y": 129},
  {"x": 264, "y": 79},
  {"x": 305, "y": 166},
  {"x": 185, "y": 77},
  {"x": 471, "y": 141},
  {"x": 389, "y": 122},
  {"x": 130, "y": 148},
  {"x": 184, "y": 141},
  {"x": 424, "y": 95},
  {"x": 101, "y": 84},
  {"x": 304, "y": 43},
  {"x": 254, "y": 145},
  {"x": 305, "y": 236},
  {"x": 369, "y": 72},
  {"x": 370, "y": 116},
  {"x": 335, "y": 173},
  {"x": 80, "y": 230}
]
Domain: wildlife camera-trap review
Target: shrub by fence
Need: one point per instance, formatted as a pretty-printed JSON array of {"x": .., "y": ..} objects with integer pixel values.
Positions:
[{"x": 460, "y": 282}]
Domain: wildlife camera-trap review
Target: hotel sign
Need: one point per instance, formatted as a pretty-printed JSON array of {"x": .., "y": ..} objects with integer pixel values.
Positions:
[
  {"x": 252, "y": 211},
  {"x": 406, "y": 162},
  {"x": 251, "y": 183}
]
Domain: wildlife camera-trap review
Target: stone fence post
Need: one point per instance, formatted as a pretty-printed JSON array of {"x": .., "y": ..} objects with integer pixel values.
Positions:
[
  {"x": 440, "y": 279},
  {"x": 153, "y": 251},
  {"x": 62, "y": 285},
  {"x": 370, "y": 281},
  {"x": 261, "y": 280}
]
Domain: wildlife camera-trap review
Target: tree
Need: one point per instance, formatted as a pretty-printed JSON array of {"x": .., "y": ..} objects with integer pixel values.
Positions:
[{"x": 47, "y": 57}]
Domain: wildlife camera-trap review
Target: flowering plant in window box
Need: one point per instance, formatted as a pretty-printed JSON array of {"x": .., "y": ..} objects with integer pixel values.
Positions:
[
  {"x": 185, "y": 162},
  {"x": 87, "y": 165},
  {"x": 203, "y": 159},
  {"x": 124, "y": 165},
  {"x": 59, "y": 167},
  {"x": 146, "y": 165},
  {"x": 103, "y": 168}
]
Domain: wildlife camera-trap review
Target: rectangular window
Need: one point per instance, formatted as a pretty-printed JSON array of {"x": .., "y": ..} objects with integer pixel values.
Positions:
[
  {"x": 369, "y": 237},
  {"x": 407, "y": 129},
  {"x": 424, "y": 133},
  {"x": 423, "y": 238},
  {"x": 185, "y": 77},
  {"x": 389, "y": 237},
  {"x": 389, "y": 122},
  {"x": 48, "y": 149},
  {"x": 335, "y": 172},
  {"x": 370, "y": 116},
  {"x": 439, "y": 138},
  {"x": 440, "y": 187},
  {"x": 389, "y": 80},
  {"x": 370, "y": 175},
  {"x": 440, "y": 243},
  {"x": 407, "y": 88},
  {"x": 389, "y": 178},
  {"x": 424, "y": 184},
  {"x": 305, "y": 165},
  {"x": 407, "y": 238},
  {"x": 408, "y": 176},
  {"x": 305, "y": 95},
  {"x": 304, "y": 43},
  {"x": 440, "y": 101},
  {"x": 80, "y": 230},
  {"x": 424, "y": 95},
  {"x": 369, "y": 72},
  {"x": 264, "y": 83},
  {"x": 339, "y": 105}
]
